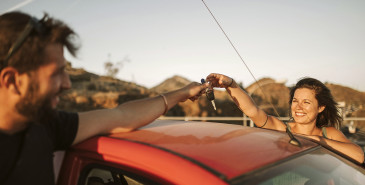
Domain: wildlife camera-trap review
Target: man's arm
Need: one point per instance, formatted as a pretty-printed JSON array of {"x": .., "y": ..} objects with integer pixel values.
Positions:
[{"x": 133, "y": 114}]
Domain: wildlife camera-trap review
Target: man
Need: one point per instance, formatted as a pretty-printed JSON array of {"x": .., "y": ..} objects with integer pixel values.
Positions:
[{"x": 32, "y": 76}]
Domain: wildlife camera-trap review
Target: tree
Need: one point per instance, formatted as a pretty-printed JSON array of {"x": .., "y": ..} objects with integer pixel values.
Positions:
[{"x": 112, "y": 69}]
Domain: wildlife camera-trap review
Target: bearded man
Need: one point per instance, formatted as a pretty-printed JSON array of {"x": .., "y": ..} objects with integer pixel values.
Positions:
[{"x": 32, "y": 77}]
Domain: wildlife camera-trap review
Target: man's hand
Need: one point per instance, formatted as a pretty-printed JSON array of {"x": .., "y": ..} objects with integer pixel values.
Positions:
[{"x": 194, "y": 90}]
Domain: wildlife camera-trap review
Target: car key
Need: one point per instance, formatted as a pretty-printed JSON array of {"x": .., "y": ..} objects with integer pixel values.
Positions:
[{"x": 210, "y": 94}]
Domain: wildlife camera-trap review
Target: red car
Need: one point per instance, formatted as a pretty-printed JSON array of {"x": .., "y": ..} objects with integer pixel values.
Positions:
[{"x": 176, "y": 152}]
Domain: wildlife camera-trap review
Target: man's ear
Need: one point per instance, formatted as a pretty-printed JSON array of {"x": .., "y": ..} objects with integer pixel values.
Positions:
[{"x": 8, "y": 79}]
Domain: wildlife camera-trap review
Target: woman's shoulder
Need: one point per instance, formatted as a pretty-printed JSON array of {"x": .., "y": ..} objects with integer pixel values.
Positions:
[
  {"x": 332, "y": 130},
  {"x": 333, "y": 133}
]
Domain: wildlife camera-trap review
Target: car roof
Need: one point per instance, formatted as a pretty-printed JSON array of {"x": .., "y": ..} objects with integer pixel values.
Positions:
[{"x": 224, "y": 149}]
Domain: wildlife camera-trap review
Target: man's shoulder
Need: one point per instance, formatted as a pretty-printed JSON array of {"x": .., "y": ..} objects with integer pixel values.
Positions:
[
  {"x": 66, "y": 113},
  {"x": 67, "y": 116}
]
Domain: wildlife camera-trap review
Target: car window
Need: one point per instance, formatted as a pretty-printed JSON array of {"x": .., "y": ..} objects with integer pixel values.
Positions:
[
  {"x": 96, "y": 174},
  {"x": 287, "y": 178},
  {"x": 317, "y": 167}
]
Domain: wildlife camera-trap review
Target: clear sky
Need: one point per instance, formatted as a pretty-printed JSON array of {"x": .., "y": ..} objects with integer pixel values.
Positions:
[{"x": 281, "y": 39}]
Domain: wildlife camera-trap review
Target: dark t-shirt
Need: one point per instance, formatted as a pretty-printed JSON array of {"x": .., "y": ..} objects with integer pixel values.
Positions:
[{"x": 27, "y": 157}]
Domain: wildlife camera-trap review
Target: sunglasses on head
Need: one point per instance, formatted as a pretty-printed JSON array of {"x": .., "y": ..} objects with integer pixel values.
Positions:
[{"x": 33, "y": 25}]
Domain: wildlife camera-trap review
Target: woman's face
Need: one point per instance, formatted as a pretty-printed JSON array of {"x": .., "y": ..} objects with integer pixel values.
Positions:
[{"x": 305, "y": 107}]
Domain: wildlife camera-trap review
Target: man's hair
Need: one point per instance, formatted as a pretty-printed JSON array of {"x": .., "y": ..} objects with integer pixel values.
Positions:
[
  {"x": 30, "y": 55},
  {"x": 330, "y": 116}
]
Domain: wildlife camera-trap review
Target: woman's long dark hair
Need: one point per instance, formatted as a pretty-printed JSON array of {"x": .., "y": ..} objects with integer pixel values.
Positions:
[{"x": 330, "y": 116}]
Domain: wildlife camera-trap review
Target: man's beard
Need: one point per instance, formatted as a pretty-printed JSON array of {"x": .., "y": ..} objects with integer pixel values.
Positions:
[{"x": 36, "y": 109}]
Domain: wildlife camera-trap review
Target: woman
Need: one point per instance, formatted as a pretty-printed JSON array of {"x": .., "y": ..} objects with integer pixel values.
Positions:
[{"x": 313, "y": 111}]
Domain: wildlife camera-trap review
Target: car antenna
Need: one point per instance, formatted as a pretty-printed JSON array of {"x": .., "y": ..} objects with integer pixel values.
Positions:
[
  {"x": 293, "y": 140},
  {"x": 239, "y": 55}
]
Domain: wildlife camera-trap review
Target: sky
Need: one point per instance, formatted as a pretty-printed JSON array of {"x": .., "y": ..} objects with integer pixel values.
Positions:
[{"x": 155, "y": 40}]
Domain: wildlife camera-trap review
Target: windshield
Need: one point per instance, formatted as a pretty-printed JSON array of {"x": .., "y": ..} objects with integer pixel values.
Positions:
[{"x": 317, "y": 167}]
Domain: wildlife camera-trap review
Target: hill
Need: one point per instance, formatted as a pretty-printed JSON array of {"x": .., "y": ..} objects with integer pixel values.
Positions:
[
  {"x": 269, "y": 93},
  {"x": 352, "y": 97},
  {"x": 91, "y": 91},
  {"x": 170, "y": 84}
]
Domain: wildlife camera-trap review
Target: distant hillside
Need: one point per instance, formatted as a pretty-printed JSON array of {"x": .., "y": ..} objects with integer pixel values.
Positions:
[
  {"x": 90, "y": 91},
  {"x": 348, "y": 95},
  {"x": 275, "y": 95},
  {"x": 173, "y": 83}
]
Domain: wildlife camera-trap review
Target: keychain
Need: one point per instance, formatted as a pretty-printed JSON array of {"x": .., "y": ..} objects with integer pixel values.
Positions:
[{"x": 210, "y": 94}]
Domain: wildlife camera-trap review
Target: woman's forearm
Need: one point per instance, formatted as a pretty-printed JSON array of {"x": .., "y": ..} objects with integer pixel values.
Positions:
[
  {"x": 350, "y": 149},
  {"x": 242, "y": 100}
]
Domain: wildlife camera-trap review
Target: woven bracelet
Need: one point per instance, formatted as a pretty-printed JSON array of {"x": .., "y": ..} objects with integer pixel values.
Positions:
[
  {"x": 230, "y": 83},
  {"x": 267, "y": 117}
]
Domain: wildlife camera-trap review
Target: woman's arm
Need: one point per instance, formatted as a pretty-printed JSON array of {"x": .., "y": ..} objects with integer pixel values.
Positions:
[
  {"x": 338, "y": 141},
  {"x": 245, "y": 102}
]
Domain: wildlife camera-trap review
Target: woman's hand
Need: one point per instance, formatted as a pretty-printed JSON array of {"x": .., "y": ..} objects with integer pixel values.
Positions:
[{"x": 219, "y": 80}]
